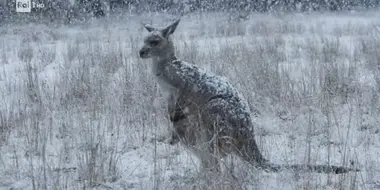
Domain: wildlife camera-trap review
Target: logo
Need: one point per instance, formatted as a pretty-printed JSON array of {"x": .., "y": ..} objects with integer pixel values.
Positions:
[{"x": 25, "y": 6}]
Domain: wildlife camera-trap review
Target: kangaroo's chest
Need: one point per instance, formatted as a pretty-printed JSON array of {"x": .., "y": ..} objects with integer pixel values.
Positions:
[
  {"x": 166, "y": 88},
  {"x": 169, "y": 92}
]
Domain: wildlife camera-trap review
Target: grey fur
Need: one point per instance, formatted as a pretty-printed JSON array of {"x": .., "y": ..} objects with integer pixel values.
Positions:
[{"x": 209, "y": 115}]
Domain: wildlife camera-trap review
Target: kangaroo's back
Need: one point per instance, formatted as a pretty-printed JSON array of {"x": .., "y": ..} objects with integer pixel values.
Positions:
[{"x": 198, "y": 84}]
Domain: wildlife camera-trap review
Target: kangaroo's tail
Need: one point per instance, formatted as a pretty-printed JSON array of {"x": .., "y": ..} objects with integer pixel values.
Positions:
[
  {"x": 252, "y": 154},
  {"x": 308, "y": 168}
]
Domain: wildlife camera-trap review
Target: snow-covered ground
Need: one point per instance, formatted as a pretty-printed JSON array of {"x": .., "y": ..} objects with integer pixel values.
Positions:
[{"x": 80, "y": 110}]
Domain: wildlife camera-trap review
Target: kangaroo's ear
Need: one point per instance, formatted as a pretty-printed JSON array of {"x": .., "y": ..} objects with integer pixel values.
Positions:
[
  {"x": 148, "y": 27},
  {"x": 170, "y": 29}
]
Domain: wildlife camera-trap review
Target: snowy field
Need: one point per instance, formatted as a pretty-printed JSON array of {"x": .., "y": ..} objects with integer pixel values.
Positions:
[{"x": 80, "y": 110}]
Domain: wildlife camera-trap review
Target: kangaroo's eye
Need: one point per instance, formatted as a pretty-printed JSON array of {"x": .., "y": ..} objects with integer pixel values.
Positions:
[{"x": 154, "y": 43}]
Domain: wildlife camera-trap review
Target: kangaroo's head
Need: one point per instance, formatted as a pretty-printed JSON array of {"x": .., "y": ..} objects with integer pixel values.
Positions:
[{"x": 158, "y": 43}]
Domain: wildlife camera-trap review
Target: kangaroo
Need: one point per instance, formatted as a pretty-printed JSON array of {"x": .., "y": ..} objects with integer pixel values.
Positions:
[{"x": 209, "y": 115}]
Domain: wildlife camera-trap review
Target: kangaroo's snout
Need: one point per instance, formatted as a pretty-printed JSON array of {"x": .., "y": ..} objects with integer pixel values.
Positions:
[{"x": 144, "y": 52}]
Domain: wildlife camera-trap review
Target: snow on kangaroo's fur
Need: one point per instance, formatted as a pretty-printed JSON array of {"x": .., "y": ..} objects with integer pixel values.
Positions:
[{"x": 209, "y": 115}]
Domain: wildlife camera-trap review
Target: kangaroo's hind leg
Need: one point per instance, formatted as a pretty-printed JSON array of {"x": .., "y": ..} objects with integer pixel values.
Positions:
[
  {"x": 233, "y": 130},
  {"x": 218, "y": 128}
]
